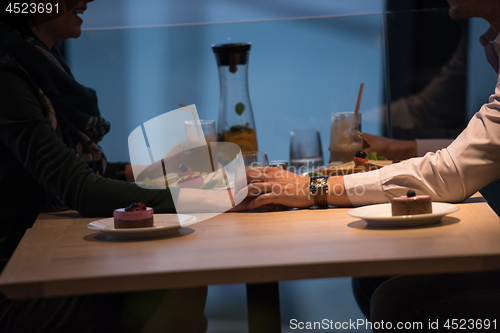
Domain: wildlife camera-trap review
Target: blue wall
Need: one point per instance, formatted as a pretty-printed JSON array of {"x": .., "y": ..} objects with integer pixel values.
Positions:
[
  {"x": 301, "y": 69},
  {"x": 135, "y": 13}
]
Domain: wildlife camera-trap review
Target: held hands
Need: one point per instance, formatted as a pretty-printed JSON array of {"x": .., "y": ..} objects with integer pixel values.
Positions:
[
  {"x": 271, "y": 188},
  {"x": 390, "y": 148}
]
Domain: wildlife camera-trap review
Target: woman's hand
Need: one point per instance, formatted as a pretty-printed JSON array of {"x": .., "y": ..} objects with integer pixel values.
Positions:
[
  {"x": 243, "y": 206},
  {"x": 277, "y": 187},
  {"x": 389, "y": 148}
]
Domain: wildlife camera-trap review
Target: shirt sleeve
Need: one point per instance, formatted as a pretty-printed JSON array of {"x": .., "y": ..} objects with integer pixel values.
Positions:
[
  {"x": 31, "y": 139},
  {"x": 431, "y": 145},
  {"x": 471, "y": 162}
]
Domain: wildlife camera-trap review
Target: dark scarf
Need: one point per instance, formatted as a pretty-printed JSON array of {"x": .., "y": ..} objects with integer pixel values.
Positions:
[{"x": 71, "y": 107}]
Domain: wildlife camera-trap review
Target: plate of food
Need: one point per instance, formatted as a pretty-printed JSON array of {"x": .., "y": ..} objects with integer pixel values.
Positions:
[
  {"x": 361, "y": 163},
  {"x": 187, "y": 178},
  {"x": 137, "y": 221},
  {"x": 406, "y": 211}
]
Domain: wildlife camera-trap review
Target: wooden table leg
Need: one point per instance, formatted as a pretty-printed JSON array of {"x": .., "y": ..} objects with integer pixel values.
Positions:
[{"x": 263, "y": 301}]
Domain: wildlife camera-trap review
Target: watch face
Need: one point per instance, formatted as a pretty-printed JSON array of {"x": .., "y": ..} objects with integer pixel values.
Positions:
[
  {"x": 319, "y": 182},
  {"x": 318, "y": 188}
]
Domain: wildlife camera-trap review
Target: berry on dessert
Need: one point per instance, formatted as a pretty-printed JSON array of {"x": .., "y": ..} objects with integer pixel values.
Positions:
[
  {"x": 411, "y": 204},
  {"x": 136, "y": 206},
  {"x": 135, "y": 215}
]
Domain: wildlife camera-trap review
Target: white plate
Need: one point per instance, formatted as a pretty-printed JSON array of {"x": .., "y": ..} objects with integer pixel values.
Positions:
[
  {"x": 164, "y": 225},
  {"x": 381, "y": 216}
]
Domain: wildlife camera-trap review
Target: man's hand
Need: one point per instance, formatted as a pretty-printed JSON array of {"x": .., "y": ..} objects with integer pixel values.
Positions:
[
  {"x": 277, "y": 187},
  {"x": 389, "y": 148},
  {"x": 242, "y": 206}
]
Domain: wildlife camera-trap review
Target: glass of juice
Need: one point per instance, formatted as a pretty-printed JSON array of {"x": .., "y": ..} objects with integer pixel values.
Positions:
[{"x": 345, "y": 138}]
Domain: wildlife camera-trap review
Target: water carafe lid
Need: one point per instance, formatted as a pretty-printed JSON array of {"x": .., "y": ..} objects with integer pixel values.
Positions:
[{"x": 231, "y": 54}]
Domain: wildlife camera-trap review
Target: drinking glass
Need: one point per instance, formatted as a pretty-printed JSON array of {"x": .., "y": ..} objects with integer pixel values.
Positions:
[
  {"x": 306, "y": 154},
  {"x": 254, "y": 159},
  {"x": 345, "y": 137},
  {"x": 198, "y": 138},
  {"x": 279, "y": 164},
  {"x": 207, "y": 127}
]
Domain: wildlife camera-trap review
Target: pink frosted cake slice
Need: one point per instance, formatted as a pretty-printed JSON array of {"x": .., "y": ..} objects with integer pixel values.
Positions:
[
  {"x": 136, "y": 215},
  {"x": 411, "y": 204}
]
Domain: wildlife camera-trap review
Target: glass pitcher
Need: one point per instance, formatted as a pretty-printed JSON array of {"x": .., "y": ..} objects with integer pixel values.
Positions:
[{"x": 236, "y": 123}]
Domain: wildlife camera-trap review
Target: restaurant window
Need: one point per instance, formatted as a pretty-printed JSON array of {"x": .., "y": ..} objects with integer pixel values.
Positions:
[
  {"x": 145, "y": 58},
  {"x": 427, "y": 57},
  {"x": 307, "y": 60}
]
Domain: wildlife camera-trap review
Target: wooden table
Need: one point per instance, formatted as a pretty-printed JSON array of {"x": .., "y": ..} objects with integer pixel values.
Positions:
[{"x": 61, "y": 256}]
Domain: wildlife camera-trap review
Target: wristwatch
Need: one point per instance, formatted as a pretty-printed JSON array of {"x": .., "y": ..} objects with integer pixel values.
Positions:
[{"x": 318, "y": 189}]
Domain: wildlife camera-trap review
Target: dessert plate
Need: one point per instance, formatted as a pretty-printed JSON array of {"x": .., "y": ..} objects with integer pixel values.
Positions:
[
  {"x": 165, "y": 224},
  {"x": 381, "y": 215}
]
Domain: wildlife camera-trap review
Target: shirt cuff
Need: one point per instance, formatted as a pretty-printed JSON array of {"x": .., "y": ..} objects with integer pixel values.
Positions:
[
  {"x": 364, "y": 188},
  {"x": 431, "y": 145}
]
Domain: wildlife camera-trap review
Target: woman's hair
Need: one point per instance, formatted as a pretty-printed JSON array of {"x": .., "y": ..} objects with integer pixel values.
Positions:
[{"x": 19, "y": 21}]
